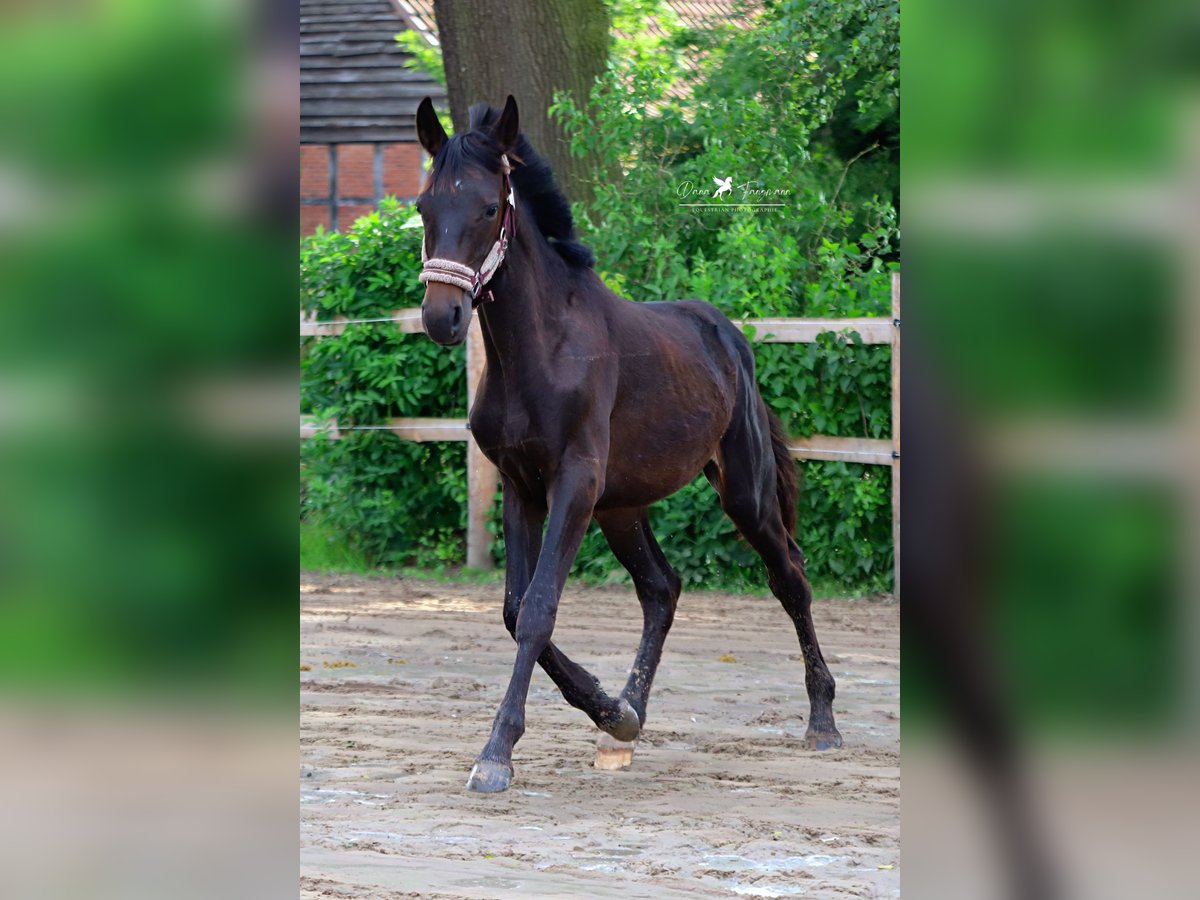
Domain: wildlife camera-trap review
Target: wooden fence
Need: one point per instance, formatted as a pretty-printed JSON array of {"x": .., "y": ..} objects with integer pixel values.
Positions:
[{"x": 481, "y": 474}]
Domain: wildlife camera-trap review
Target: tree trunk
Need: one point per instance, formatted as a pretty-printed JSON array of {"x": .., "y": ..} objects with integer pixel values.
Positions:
[{"x": 530, "y": 49}]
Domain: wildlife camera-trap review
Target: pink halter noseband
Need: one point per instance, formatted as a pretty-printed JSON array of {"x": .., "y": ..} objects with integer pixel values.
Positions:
[{"x": 447, "y": 271}]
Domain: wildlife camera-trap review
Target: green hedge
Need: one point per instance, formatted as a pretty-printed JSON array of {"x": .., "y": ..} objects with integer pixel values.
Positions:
[{"x": 404, "y": 503}]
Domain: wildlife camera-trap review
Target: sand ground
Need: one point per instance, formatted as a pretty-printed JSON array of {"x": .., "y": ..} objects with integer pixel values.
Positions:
[{"x": 721, "y": 799}]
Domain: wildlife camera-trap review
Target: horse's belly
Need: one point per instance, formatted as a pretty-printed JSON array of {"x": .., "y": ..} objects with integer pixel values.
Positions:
[
  {"x": 653, "y": 462},
  {"x": 679, "y": 404}
]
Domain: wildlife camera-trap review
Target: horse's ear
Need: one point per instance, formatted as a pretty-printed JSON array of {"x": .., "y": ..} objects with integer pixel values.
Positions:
[
  {"x": 508, "y": 125},
  {"x": 430, "y": 132}
]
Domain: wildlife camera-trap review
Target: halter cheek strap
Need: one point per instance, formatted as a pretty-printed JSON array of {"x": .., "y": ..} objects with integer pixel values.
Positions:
[{"x": 447, "y": 271}]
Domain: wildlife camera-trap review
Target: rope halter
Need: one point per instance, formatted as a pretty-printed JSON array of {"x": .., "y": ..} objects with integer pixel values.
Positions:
[{"x": 447, "y": 271}]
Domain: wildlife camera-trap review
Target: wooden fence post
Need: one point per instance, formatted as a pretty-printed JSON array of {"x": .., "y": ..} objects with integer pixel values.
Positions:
[
  {"x": 482, "y": 476},
  {"x": 896, "y": 434}
]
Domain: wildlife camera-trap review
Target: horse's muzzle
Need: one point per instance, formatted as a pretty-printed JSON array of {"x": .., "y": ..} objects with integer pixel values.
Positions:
[{"x": 446, "y": 313}]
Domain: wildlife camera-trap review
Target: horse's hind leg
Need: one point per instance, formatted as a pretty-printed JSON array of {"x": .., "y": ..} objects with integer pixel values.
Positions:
[
  {"x": 628, "y": 534},
  {"x": 746, "y": 481}
]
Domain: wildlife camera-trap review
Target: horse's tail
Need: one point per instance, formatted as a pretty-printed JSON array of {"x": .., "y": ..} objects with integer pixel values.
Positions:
[{"x": 785, "y": 473}]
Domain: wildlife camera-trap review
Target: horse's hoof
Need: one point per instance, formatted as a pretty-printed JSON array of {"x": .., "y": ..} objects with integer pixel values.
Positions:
[
  {"x": 825, "y": 739},
  {"x": 612, "y": 754},
  {"x": 488, "y": 777},
  {"x": 626, "y": 728}
]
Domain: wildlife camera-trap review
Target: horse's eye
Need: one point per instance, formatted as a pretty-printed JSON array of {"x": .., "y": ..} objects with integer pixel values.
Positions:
[{"x": 490, "y": 212}]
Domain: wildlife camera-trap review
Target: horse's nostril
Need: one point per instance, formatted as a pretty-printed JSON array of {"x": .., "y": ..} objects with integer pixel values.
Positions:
[{"x": 457, "y": 318}]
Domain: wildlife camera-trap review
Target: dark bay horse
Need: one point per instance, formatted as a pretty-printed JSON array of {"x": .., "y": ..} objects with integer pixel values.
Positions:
[{"x": 593, "y": 406}]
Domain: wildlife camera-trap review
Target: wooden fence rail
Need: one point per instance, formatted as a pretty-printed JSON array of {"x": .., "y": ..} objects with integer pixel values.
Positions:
[
  {"x": 837, "y": 449},
  {"x": 871, "y": 329},
  {"x": 481, "y": 475}
]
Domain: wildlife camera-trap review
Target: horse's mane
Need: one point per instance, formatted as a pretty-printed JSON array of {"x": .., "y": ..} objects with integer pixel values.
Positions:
[{"x": 531, "y": 177}]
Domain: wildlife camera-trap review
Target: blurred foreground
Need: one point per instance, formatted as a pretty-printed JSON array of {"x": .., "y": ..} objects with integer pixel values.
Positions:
[
  {"x": 147, "y": 449},
  {"x": 1051, "y": 433}
]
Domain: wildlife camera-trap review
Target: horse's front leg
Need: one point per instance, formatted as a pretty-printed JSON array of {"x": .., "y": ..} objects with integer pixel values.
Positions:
[
  {"x": 523, "y": 522},
  {"x": 572, "y": 498}
]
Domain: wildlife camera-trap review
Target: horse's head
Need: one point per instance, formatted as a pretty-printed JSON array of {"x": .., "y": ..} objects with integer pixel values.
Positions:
[{"x": 467, "y": 209}]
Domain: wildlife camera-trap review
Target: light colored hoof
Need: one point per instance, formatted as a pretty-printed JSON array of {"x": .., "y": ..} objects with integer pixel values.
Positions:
[
  {"x": 613, "y": 755},
  {"x": 489, "y": 777}
]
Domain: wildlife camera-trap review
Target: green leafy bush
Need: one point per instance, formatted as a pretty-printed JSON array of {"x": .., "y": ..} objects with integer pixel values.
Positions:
[
  {"x": 394, "y": 501},
  {"x": 814, "y": 128}
]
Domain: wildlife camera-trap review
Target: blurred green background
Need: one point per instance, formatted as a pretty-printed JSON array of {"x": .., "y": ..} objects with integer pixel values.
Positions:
[
  {"x": 1048, "y": 269},
  {"x": 1050, "y": 157},
  {"x": 146, "y": 501}
]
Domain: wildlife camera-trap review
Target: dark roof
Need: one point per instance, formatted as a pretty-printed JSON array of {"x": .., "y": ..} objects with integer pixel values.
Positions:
[
  {"x": 700, "y": 15},
  {"x": 354, "y": 84}
]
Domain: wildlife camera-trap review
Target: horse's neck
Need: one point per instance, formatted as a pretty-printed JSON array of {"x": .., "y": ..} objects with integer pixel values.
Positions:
[{"x": 522, "y": 319}]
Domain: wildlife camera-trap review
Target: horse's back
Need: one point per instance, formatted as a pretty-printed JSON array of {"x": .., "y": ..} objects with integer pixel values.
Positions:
[
  {"x": 706, "y": 319},
  {"x": 683, "y": 339}
]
